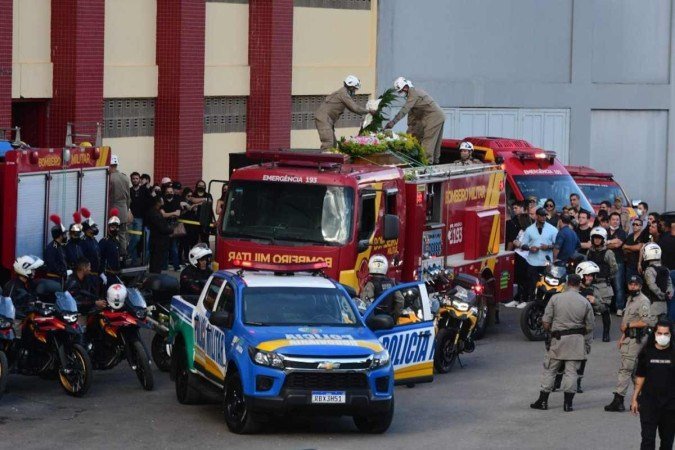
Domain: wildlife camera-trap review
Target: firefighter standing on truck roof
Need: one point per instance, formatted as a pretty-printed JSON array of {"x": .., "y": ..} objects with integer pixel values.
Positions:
[
  {"x": 73, "y": 247},
  {"x": 332, "y": 108},
  {"x": 378, "y": 266},
  {"x": 606, "y": 261},
  {"x": 55, "y": 255},
  {"x": 120, "y": 198},
  {"x": 634, "y": 324},
  {"x": 465, "y": 155},
  {"x": 425, "y": 118},
  {"x": 569, "y": 318},
  {"x": 659, "y": 286}
]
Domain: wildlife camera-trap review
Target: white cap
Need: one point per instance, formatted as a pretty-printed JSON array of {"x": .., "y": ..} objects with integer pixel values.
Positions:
[{"x": 114, "y": 160}]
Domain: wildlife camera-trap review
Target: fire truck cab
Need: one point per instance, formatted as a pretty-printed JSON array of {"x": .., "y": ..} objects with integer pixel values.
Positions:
[
  {"x": 530, "y": 171},
  {"x": 600, "y": 186},
  {"x": 303, "y": 207}
]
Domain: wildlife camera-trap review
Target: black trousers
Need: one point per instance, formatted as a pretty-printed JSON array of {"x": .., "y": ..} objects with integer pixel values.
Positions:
[
  {"x": 653, "y": 418},
  {"x": 533, "y": 275},
  {"x": 157, "y": 253}
]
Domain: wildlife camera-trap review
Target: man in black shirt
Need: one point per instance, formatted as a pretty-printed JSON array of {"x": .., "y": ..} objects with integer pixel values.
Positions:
[
  {"x": 632, "y": 247},
  {"x": 584, "y": 230},
  {"x": 615, "y": 239},
  {"x": 518, "y": 222},
  {"x": 171, "y": 211},
  {"x": 160, "y": 233},
  {"x": 654, "y": 395},
  {"x": 139, "y": 206}
]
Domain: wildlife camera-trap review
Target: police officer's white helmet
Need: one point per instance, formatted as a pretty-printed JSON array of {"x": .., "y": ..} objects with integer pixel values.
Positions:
[
  {"x": 114, "y": 160},
  {"x": 27, "y": 265},
  {"x": 353, "y": 82},
  {"x": 600, "y": 232},
  {"x": 587, "y": 268},
  {"x": 116, "y": 296},
  {"x": 378, "y": 264},
  {"x": 651, "y": 252},
  {"x": 198, "y": 252},
  {"x": 402, "y": 82}
]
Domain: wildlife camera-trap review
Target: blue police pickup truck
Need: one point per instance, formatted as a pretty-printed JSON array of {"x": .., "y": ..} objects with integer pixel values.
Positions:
[{"x": 269, "y": 343}]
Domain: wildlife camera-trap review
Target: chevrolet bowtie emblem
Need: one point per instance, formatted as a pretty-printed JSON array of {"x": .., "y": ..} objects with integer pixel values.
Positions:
[{"x": 328, "y": 365}]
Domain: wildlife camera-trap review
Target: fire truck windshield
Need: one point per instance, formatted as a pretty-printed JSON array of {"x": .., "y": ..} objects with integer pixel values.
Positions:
[
  {"x": 598, "y": 193},
  {"x": 556, "y": 187},
  {"x": 292, "y": 212}
]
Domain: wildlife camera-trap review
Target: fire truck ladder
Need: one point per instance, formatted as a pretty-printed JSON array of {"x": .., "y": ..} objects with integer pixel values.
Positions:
[
  {"x": 445, "y": 171},
  {"x": 70, "y": 135}
]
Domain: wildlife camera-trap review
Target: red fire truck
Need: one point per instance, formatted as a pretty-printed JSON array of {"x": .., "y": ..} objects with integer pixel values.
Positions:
[
  {"x": 304, "y": 206},
  {"x": 600, "y": 186},
  {"x": 37, "y": 182},
  {"x": 530, "y": 171}
]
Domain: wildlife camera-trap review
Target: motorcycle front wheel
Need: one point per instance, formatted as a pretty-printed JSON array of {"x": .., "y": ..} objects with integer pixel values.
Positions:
[
  {"x": 141, "y": 365},
  {"x": 4, "y": 372},
  {"x": 76, "y": 377},
  {"x": 530, "y": 322},
  {"x": 160, "y": 353},
  {"x": 446, "y": 351}
]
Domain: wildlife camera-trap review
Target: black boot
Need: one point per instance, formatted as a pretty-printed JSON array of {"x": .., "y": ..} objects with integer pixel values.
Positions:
[
  {"x": 557, "y": 382},
  {"x": 606, "y": 324},
  {"x": 542, "y": 402},
  {"x": 580, "y": 375},
  {"x": 497, "y": 316},
  {"x": 617, "y": 404},
  {"x": 579, "y": 390},
  {"x": 567, "y": 405}
]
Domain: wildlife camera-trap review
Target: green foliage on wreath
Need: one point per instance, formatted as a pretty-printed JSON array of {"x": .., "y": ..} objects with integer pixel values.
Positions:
[{"x": 379, "y": 117}]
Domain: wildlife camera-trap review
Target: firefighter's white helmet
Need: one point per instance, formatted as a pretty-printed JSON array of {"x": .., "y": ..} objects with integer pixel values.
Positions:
[
  {"x": 600, "y": 232},
  {"x": 27, "y": 265},
  {"x": 587, "y": 268},
  {"x": 378, "y": 264},
  {"x": 402, "y": 82},
  {"x": 198, "y": 252},
  {"x": 116, "y": 296},
  {"x": 651, "y": 252},
  {"x": 466, "y": 146},
  {"x": 114, "y": 160},
  {"x": 353, "y": 81}
]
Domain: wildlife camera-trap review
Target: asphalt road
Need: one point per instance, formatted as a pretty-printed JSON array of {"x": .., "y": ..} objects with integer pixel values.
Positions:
[{"x": 483, "y": 405}]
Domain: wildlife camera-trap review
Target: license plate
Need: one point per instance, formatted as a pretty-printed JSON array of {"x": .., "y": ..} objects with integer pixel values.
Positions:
[{"x": 329, "y": 397}]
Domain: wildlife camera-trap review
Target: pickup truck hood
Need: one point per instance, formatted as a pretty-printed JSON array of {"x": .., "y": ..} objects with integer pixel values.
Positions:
[{"x": 315, "y": 341}]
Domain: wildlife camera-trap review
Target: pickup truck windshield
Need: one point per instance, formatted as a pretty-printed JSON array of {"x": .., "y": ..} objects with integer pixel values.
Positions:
[
  {"x": 557, "y": 187},
  {"x": 297, "y": 306},
  {"x": 597, "y": 193},
  {"x": 289, "y": 211}
]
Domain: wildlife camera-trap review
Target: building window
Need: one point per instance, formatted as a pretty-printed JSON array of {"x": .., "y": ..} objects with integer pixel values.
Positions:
[
  {"x": 303, "y": 108},
  {"x": 128, "y": 117},
  {"x": 225, "y": 114},
  {"x": 336, "y": 4}
]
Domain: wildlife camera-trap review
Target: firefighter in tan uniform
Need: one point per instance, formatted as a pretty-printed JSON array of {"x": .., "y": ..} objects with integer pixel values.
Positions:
[
  {"x": 465, "y": 155},
  {"x": 332, "y": 108},
  {"x": 119, "y": 197},
  {"x": 637, "y": 318},
  {"x": 569, "y": 318},
  {"x": 425, "y": 118}
]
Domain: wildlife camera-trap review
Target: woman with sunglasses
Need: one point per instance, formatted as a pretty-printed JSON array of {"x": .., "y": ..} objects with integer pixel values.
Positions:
[{"x": 552, "y": 216}]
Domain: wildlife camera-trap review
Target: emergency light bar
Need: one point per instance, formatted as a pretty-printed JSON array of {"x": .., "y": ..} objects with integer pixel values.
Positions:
[
  {"x": 300, "y": 157},
  {"x": 588, "y": 172},
  {"x": 280, "y": 268},
  {"x": 544, "y": 154}
]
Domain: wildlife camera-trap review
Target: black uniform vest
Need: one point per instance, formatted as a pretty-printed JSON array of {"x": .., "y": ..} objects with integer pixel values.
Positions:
[{"x": 598, "y": 257}]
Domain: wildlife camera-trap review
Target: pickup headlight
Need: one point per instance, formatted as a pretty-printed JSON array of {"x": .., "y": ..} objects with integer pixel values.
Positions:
[
  {"x": 461, "y": 306},
  {"x": 551, "y": 281},
  {"x": 380, "y": 359},
  {"x": 269, "y": 359}
]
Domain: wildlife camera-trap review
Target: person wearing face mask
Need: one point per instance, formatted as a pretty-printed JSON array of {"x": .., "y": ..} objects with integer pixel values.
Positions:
[
  {"x": 171, "y": 211},
  {"x": 160, "y": 232},
  {"x": 89, "y": 244},
  {"x": 73, "y": 247},
  {"x": 110, "y": 248},
  {"x": 425, "y": 118},
  {"x": 193, "y": 277},
  {"x": 55, "y": 255},
  {"x": 636, "y": 319},
  {"x": 119, "y": 197},
  {"x": 139, "y": 205},
  {"x": 654, "y": 394},
  {"x": 204, "y": 200},
  {"x": 643, "y": 213}
]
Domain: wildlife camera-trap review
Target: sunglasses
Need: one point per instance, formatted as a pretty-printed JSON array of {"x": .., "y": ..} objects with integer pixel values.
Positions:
[
  {"x": 550, "y": 205},
  {"x": 637, "y": 224}
]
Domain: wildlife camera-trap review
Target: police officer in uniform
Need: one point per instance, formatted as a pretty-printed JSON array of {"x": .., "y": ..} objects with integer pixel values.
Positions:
[
  {"x": 659, "y": 286},
  {"x": 193, "y": 277},
  {"x": 606, "y": 262},
  {"x": 587, "y": 270},
  {"x": 378, "y": 266},
  {"x": 425, "y": 118},
  {"x": 332, "y": 108},
  {"x": 89, "y": 243},
  {"x": 465, "y": 155},
  {"x": 110, "y": 248},
  {"x": 55, "y": 255},
  {"x": 569, "y": 318},
  {"x": 654, "y": 395},
  {"x": 73, "y": 247},
  {"x": 21, "y": 289},
  {"x": 634, "y": 325}
]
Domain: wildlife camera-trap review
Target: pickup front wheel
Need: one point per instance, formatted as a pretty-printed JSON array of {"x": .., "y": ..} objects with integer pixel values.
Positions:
[{"x": 235, "y": 408}]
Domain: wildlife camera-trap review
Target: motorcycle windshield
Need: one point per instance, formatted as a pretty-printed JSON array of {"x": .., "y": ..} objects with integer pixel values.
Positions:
[
  {"x": 7, "y": 308},
  {"x": 135, "y": 298},
  {"x": 557, "y": 271},
  {"x": 66, "y": 303}
]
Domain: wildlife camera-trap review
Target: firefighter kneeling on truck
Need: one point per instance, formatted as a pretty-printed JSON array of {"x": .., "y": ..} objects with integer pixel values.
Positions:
[{"x": 378, "y": 282}]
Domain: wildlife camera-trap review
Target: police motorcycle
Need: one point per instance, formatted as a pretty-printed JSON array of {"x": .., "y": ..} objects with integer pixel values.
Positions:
[
  {"x": 7, "y": 316},
  {"x": 456, "y": 322},
  {"x": 50, "y": 345},
  {"x": 114, "y": 333},
  {"x": 550, "y": 283},
  {"x": 158, "y": 291}
]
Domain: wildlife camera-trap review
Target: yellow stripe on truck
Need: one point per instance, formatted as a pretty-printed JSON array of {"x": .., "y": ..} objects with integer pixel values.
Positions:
[
  {"x": 270, "y": 346},
  {"x": 424, "y": 369}
]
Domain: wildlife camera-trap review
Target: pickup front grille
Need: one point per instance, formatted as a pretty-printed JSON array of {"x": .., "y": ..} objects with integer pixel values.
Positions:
[{"x": 325, "y": 380}]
